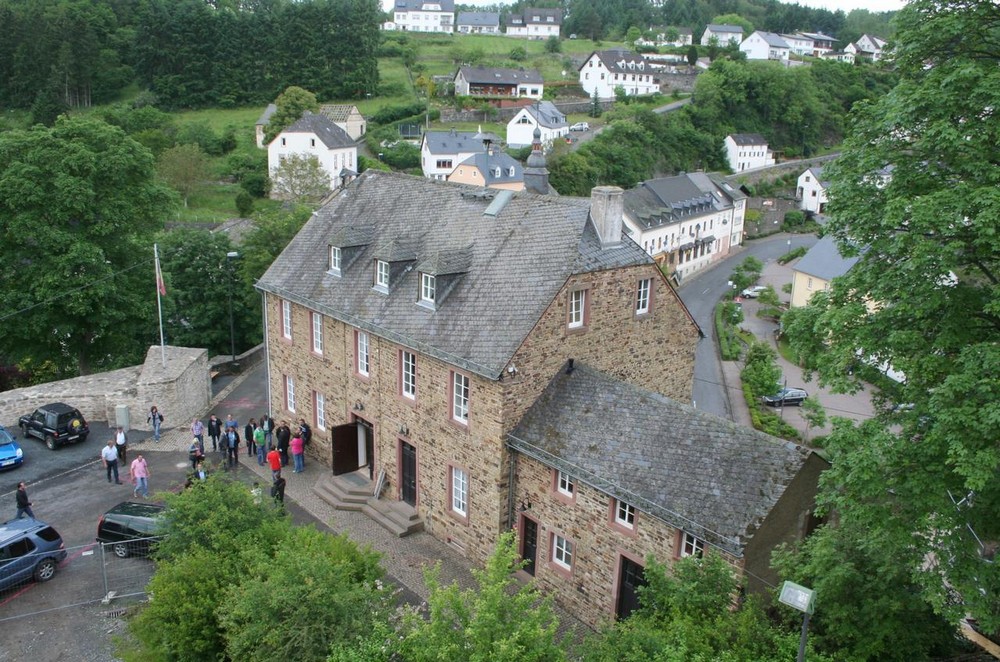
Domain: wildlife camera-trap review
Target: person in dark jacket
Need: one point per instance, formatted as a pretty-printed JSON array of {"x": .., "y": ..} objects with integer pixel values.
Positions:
[
  {"x": 284, "y": 436},
  {"x": 278, "y": 491},
  {"x": 215, "y": 431},
  {"x": 23, "y": 505},
  {"x": 249, "y": 439},
  {"x": 231, "y": 439}
]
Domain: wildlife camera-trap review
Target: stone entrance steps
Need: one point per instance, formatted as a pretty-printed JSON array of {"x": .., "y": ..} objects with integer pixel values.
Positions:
[{"x": 354, "y": 491}]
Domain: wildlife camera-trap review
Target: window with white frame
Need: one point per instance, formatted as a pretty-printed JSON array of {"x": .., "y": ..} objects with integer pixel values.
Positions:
[
  {"x": 691, "y": 545},
  {"x": 362, "y": 353},
  {"x": 320, "y": 411},
  {"x": 564, "y": 484},
  {"x": 382, "y": 274},
  {"x": 334, "y": 259},
  {"x": 577, "y": 301},
  {"x": 624, "y": 514},
  {"x": 409, "y": 375},
  {"x": 289, "y": 393},
  {"x": 428, "y": 285},
  {"x": 317, "y": 332},
  {"x": 460, "y": 398},
  {"x": 286, "y": 319},
  {"x": 642, "y": 297},
  {"x": 459, "y": 492},
  {"x": 562, "y": 552}
]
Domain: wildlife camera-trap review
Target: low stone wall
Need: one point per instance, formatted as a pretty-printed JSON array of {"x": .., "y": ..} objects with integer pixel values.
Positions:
[{"x": 177, "y": 382}]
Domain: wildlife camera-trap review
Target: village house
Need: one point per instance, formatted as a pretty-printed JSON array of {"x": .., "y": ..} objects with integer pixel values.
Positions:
[
  {"x": 496, "y": 82},
  {"x": 816, "y": 269},
  {"x": 821, "y": 43},
  {"x": 666, "y": 36},
  {"x": 762, "y": 45},
  {"x": 604, "y": 71},
  {"x": 534, "y": 23},
  {"x": 478, "y": 22},
  {"x": 798, "y": 43},
  {"x": 686, "y": 222},
  {"x": 723, "y": 35},
  {"x": 492, "y": 169},
  {"x": 441, "y": 151},
  {"x": 314, "y": 135},
  {"x": 868, "y": 46},
  {"x": 474, "y": 361},
  {"x": 838, "y": 56},
  {"x": 811, "y": 190},
  {"x": 544, "y": 115},
  {"x": 746, "y": 151},
  {"x": 423, "y": 16},
  {"x": 346, "y": 116}
]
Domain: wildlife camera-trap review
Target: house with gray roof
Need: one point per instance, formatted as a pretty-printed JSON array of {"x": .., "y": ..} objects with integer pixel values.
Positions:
[
  {"x": 498, "y": 82},
  {"x": 672, "y": 481},
  {"x": 313, "y": 136},
  {"x": 414, "y": 323},
  {"x": 746, "y": 151},
  {"x": 423, "y": 16},
  {"x": 605, "y": 71},
  {"x": 347, "y": 117},
  {"x": 811, "y": 191},
  {"x": 816, "y": 270},
  {"x": 761, "y": 45},
  {"x": 441, "y": 151},
  {"x": 534, "y": 23},
  {"x": 722, "y": 35},
  {"x": 493, "y": 169},
  {"x": 478, "y": 22},
  {"x": 686, "y": 222},
  {"x": 261, "y": 126},
  {"x": 543, "y": 115}
]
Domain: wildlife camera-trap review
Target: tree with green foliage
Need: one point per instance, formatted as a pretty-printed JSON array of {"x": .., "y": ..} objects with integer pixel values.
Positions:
[
  {"x": 734, "y": 19},
  {"x": 518, "y": 54},
  {"x": 184, "y": 168},
  {"x": 813, "y": 413},
  {"x": 746, "y": 273},
  {"x": 692, "y": 55},
  {"x": 595, "y": 104},
  {"x": 633, "y": 34},
  {"x": 914, "y": 196},
  {"x": 760, "y": 371},
  {"x": 500, "y": 619},
  {"x": 291, "y": 105},
  {"x": 553, "y": 45},
  {"x": 300, "y": 178},
  {"x": 79, "y": 205}
]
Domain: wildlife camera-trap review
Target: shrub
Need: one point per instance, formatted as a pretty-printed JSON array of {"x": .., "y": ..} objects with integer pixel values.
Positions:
[
  {"x": 793, "y": 254},
  {"x": 244, "y": 203},
  {"x": 518, "y": 54},
  {"x": 553, "y": 45},
  {"x": 729, "y": 347},
  {"x": 389, "y": 114},
  {"x": 794, "y": 219}
]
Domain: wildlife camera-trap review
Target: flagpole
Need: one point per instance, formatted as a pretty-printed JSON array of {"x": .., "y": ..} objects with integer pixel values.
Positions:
[{"x": 159, "y": 305}]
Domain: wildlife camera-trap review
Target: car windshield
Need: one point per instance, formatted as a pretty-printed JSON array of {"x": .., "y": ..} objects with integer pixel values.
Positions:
[{"x": 5, "y": 437}]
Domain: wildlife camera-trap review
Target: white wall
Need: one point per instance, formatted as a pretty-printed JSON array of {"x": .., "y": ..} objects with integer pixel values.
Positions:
[
  {"x": 594, "y": 75},
  {"x": 747, "y": 157},
  {"x": 811, "y": 192},
  {"x": 307, "y": 144},
  {"x": 522, "y": 134}
]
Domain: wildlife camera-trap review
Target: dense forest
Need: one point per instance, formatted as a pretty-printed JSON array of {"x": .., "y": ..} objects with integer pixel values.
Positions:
[
  {"x": 190, "y": 53},
  {"x": 611, "y": 19}
]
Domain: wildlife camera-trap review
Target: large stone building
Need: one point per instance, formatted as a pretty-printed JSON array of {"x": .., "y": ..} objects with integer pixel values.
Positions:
[{"x": 426, "y": 329}]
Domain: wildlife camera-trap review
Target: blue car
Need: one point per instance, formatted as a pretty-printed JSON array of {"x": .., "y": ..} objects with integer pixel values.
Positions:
[
  {"x": 29, "y": 549},
  {"x": 11, "y": 454}
]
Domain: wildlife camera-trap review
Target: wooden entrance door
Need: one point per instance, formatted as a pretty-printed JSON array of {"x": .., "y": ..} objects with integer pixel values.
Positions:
[
  {"x": 529, "y": 544},
  {"x": 408, "y": 473},
  {"x": 345, "y": 448},
  {"x": 630, "y": 578}
]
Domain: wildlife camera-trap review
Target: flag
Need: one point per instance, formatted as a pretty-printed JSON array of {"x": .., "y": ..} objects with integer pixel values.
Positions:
[{"x": 159, "y": 280}]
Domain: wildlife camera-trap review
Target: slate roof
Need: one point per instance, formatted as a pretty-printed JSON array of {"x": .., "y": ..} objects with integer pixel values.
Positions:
[
  {"x": 453, "y": 142},
  {"x": 338, "y": 112},
  {"x": 772, "y": 39},
  {"x": 488, "y": 163},
  {"x": 494, "y": 75},
  {"x": 520, "y": 258},
  {"x": 265, "y": 117},
  {"x": 713, "y": 27},
  {"x": 657, "y": 202},
  {"x": 825, "y": 261},
  {"x": 535, "y": 17},
  {"x": 819, "y": 36},
  {"x": 478, "y": 19},
  {"x": 817, "y": 173},
  {"x": 612, "y": 57},
  {"x": 418, "y": 5},
  {"x": 706, "y": 475},
  {"x": 329, "y": 133},
  {"x": 546, "y": 114},
  {"x": 748, "y": 138}
]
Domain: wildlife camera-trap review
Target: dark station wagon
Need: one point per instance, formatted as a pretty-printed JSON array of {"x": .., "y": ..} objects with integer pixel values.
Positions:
[{"x": 130, "y": 527}]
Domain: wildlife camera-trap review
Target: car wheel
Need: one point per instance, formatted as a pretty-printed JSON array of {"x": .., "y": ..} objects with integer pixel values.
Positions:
[
  {"x": 121, "y": 550},
  {"x": 50, "y": 442},
  {"x": 24, "y": 431},
  {"x": 45, "y": 570}
]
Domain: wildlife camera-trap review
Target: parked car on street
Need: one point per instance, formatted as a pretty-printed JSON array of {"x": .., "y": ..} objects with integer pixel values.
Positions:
[
  {"x": 580, "y": 126},
  {"x": 786, "y": 396},
  {"x": 753, "y": 292},
  {"x": 29, "y": 548},
  {"x": 55, "y": 424},
  {"x": 11, "y": 454},
  {"x": 131, "y": 527}
]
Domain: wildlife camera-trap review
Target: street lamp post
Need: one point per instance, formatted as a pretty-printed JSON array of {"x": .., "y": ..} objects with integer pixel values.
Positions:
[
  {"x": 231, "y": 257},
  {"x": 803, "y": 599}
]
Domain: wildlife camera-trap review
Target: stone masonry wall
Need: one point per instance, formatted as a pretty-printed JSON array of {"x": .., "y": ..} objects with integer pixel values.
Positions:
[
  {"x": 180, "y": 389},
  {"x": 590, "y": 589}
]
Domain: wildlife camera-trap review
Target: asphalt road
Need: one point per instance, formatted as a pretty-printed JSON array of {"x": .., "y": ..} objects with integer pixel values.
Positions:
[{"x": 701, "y": 293}]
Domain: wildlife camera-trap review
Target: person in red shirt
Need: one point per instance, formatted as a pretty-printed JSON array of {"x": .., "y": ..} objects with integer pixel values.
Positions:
[{"x": 274, "y": 460}]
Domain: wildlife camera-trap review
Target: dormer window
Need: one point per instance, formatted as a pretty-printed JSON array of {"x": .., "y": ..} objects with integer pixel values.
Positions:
[
  {"x": 382, "y": 275},
  {"x": 510, "y": 171},
  {"x": 428, "y": 287},
  {"x": 497, "y": 172},
  {"x": 335, "y": 259}
]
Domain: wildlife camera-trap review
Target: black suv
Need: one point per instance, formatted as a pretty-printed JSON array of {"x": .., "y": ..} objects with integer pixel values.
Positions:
[
  {"x": 131, "y": 527},
  {"x": 56, "y": 424}
]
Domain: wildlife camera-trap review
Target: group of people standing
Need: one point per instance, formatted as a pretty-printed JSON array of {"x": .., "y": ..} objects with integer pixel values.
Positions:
[
  {"x": 270, "y": 442},
  {"x": 113, "y": 453}
]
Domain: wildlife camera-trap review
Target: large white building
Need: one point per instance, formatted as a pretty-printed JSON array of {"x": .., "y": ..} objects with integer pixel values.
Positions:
[
  {"x": 534, "y": 24},
  {"x": 746, "y": 151},
  {"x": 424, "y": 16},
  {"x": 317, "y": 136},
  {"x": 762, "y": 45},
  {"x": 606, "y": 70},
  {"x": 722, "y": 34},
  {"x": 551, "y": 123}
]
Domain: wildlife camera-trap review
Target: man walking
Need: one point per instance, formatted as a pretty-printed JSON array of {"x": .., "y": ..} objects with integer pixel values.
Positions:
[
  {"x": 109, "y": 456},
  {"x": 139, "y": 474},
  {"x": 260, "y": 442},
  {"x": 23, "y": 505},
  {"x": 215, "y": 431},
  {"x": 156, "y": 419},
  {"x": 121, "y": 443},
  {"x": 232, "y": 441},
  {"x": 267, "y": 424}
]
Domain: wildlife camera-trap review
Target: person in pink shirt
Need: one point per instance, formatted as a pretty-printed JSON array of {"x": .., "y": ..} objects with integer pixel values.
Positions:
[
  {"x": 139, "y": 474},
  {"x": 298, "y": 453}
]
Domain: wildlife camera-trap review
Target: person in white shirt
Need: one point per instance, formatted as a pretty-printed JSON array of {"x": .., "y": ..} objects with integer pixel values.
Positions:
[
  {"x": 109, "y": 456},
  {"x": 121, "y": 442}
]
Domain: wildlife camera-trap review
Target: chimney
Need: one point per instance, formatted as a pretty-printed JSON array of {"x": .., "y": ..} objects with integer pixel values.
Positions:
[{"x": 606, "y": 210}]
